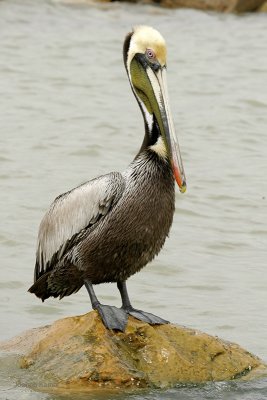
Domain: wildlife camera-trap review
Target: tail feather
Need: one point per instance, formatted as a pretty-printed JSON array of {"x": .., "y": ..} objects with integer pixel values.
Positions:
[
  {"x": 40, "y": 287},
  {"x": 57, "y": 283}
]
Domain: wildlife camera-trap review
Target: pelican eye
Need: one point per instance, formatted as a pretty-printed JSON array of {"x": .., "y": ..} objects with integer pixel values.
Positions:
[{"x": 150, "y": 54}]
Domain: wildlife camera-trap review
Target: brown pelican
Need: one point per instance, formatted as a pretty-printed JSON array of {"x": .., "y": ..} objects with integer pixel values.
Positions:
[{"x": 109, "y": 228}]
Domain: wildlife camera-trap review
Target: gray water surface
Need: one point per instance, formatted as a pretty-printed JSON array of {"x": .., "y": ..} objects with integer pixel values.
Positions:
[{"x": 67, "y": 114}]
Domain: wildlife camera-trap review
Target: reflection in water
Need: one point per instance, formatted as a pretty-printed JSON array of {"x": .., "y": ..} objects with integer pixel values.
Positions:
[{"x": 68, "y": 115}]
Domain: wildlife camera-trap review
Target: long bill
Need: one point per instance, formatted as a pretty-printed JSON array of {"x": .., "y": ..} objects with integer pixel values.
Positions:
[{"x": 158, "y": 82}]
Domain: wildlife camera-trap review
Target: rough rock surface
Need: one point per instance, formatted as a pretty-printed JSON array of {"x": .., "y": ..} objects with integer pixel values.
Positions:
[
  {"x": 236, "y": 6},
  {"x": 245, "y": 5},
  {"x": 79, "y": 353},
  {"x": 263, "y": 8}
]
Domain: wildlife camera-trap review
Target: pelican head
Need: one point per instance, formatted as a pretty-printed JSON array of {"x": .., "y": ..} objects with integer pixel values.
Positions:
[{"x": 145, "y": 62}]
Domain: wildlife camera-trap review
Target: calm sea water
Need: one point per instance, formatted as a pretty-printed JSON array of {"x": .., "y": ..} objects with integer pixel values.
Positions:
[{"x": 67, "y": 115}]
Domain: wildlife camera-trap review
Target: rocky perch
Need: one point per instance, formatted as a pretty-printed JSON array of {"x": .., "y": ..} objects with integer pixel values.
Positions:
[
  {"x": 234, "y": 6},
  {"x": 79, "y": 353}
]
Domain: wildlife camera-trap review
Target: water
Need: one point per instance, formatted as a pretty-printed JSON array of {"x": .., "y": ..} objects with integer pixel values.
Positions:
[{"x": 67, "y": 115}]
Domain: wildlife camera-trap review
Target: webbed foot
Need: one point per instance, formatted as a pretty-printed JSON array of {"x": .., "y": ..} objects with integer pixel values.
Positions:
[
  {"x": 146, "y": 317},
  {"x": 112, "y": 317}
]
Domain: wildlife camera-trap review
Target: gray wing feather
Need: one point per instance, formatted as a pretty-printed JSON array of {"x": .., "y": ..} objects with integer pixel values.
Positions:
[{"x": 72, "y": 212}]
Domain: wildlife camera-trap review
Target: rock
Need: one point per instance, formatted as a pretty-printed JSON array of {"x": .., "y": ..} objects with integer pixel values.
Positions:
[
  {"x": 218, "y": 5},
  {"x": 263, "y": 8},
  {"x": 79, "y": 353},
  {"x": 212, "y": 5},
  {"x": 238, "y": 6}
]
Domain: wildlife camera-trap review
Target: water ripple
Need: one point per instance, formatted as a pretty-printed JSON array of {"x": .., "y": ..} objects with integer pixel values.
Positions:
[{"x": 68, "y": 115}]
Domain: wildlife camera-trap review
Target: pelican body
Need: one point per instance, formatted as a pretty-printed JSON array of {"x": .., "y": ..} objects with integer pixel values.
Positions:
[{"x": 110, "y": 227}]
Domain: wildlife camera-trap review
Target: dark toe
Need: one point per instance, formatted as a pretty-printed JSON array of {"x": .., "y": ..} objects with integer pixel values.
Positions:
[{"x": 147, "y": 317}]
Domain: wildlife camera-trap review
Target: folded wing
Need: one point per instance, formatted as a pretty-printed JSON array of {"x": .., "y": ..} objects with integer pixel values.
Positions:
[{"x": 71, "y": 214}]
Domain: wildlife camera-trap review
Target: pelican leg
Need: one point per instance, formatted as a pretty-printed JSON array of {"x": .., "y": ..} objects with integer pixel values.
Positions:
[
  {"x": 138, "y": 314},
  {"x": 112, "y": 317}
]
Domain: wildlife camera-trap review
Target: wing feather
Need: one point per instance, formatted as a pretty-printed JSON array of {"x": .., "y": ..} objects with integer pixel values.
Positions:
[{"x": 71, "y": 213}]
